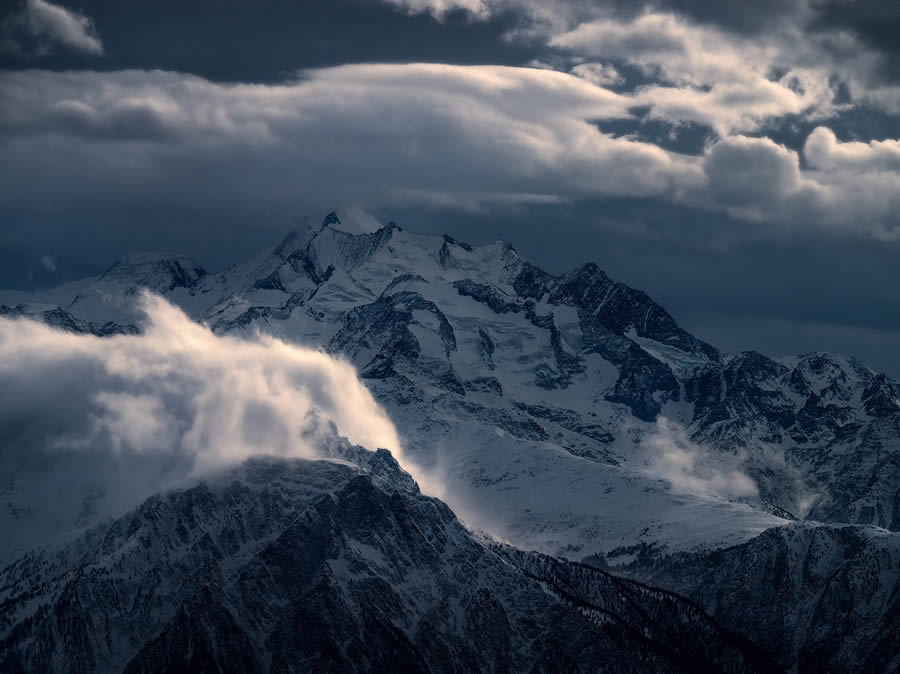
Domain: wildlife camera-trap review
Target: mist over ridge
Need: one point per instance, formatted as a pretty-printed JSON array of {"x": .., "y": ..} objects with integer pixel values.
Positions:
[{"x": 125, "y": 416}]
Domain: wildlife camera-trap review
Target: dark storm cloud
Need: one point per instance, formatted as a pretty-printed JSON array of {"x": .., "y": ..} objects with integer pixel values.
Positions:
[
  {"x": 746, "y": 17},
  {"x": 270, "y": 40},
  {"x": 687, "y": 138},
  {"x": 736, "y": 160},
  {"x": 211, "y": 169},
  {"x": 84, "y": 143},
  {"x": 854, "y": 39},
  {"x": 740, "y": 17},
  {"x": 874, "y": 22},
  {"x": 743, "y": 17}
]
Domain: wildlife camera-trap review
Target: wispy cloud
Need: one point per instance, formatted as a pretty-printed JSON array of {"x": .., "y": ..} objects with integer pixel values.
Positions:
[
  {"x": 52, "y": 24},
  {"x": 669, "y": 454},
  {"x": 601, "y": 74}
]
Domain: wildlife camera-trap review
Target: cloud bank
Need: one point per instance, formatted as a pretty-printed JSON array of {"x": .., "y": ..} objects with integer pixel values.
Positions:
[
  {"x": 180, "y": 389},
  {"x": 744, "y": 68},
  {"x": 461, "y": 136},
  {"x": 125, "y": 416}
]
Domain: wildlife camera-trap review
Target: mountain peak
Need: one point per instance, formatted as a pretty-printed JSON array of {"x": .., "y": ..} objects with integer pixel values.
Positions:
[
  {"x": 160, "y": 272},
  {"x": 108, "y": 298},
  {"x": 294, "y": 240},
  {"x": 453, "y": 242},
  {"x": 331, "y": 219}
]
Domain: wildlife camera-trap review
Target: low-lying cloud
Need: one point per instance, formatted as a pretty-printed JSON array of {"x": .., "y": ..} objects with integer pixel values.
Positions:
[
  {"x": 669, "y": 454},
  {"x": 124, "y": 416}
]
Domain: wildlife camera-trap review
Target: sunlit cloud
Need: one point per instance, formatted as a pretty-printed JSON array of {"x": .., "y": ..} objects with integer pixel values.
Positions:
[
  {"x": 703, "y": 74},
  {"x": 463, "y": 137},
  {"x": 601, "y": 74},
  {"x": 125, "y": 416},
  {"x": 179, "y": 388}
]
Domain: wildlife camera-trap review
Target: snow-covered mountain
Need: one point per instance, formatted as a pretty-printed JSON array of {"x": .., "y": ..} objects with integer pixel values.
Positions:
[
  {"x": 112, "y": 296},
  {"x": 508, "y": 384},
  {"x": 328, "y": 566},
  {"x": 572, "y": 416},
  {"x": 501, "y": 376},
  {"x": 59, "y": 318}
]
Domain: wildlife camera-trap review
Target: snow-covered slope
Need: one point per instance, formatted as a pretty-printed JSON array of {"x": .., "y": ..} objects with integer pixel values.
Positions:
[
  {"x": 534, "y": 400},
  {"x": 112, "y": 296},
  {"x": 331, "y": 566}
]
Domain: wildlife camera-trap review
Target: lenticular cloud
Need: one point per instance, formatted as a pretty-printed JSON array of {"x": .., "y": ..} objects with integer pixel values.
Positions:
[{"x": 179, "y": 389}]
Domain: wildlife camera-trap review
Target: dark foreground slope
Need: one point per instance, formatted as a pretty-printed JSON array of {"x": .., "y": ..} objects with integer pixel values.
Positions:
[
  {"x": 817, "y": 597},
  {"x": 326, "y": 566}
]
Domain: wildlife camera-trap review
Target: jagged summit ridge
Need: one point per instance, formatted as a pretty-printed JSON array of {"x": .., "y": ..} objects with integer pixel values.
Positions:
[
  {"x": 478, "y": 345},
  {"x": 160, "y": 272},
  {"x": 113, "y": 294},
  {"x": 330, "y": 219}
]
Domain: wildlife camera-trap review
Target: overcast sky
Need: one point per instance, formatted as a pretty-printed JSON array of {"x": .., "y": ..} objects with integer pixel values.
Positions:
[{"x": 739, "y": 161}]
